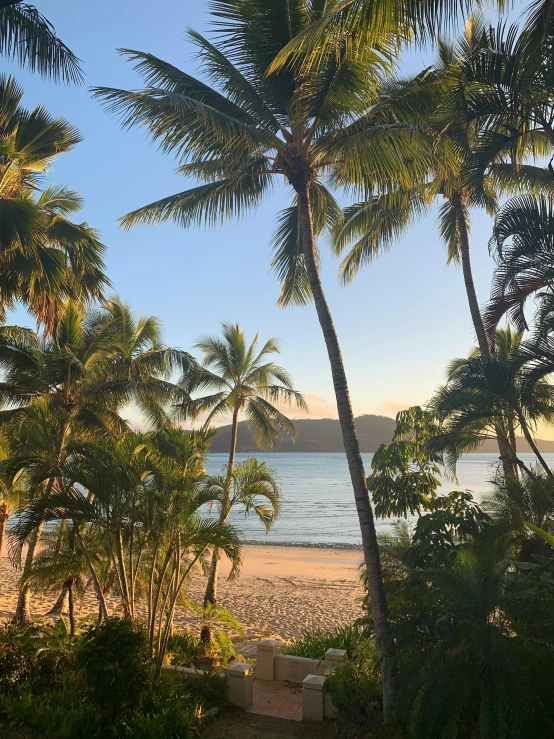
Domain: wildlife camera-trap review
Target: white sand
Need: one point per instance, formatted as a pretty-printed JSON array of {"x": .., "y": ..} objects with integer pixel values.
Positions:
[{"x": 280, "y": 592}]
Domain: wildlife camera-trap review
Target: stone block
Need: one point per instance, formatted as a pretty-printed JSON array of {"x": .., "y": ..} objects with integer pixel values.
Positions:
[
  {"x": 267, "y": 649},
  {"x": 312, "y": 697},
  {"x": 240, "y": 685}
]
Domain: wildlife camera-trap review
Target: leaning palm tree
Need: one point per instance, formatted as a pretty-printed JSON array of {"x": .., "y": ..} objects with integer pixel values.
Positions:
[
  {"x": 253, "y": 129},
  {"x": 29, "y": 38},
  {"x": 250, "y": 486},
  {"x": 243, "y": 380}
]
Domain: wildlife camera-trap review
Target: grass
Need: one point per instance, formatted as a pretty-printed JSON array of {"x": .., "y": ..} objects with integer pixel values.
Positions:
[{"x": 240, "y": 725}]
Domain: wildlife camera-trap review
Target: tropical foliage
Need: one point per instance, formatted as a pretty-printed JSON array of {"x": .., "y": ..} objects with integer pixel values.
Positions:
[{"x": 111, "y": 494}]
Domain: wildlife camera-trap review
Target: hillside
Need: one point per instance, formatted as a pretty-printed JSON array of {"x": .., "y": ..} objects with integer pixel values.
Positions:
[{"x": 324, "y": 435}]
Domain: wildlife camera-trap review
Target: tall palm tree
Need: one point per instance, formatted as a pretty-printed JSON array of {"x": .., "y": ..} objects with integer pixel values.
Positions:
[
  {"x": 252, "y": 129},
  {"x": 29, "y": 38},
  {"x": 251, "y": 486},
  {"x": 72, "y": 387},
  {"x": 379, "y": 221},
  {"x": 243, "y": 379}
]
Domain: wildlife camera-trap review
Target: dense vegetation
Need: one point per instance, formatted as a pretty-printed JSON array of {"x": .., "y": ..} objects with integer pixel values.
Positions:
[{"x": 458, "y": 638}]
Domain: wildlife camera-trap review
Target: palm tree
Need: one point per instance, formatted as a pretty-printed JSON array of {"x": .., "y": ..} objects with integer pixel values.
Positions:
[
  {"x": 242, "y": 380},
  {"x": 28, "y": 37},
  {"x": 251, "y": 486},
  {"x": 139, "y": 499},
  {"x": 378, "y": 222},
  {"x": 482, "y": 394},
  {"x": 255, "y": 129},
  {"x": 211, "y": 618},
  {"x": 523, "y": 238},
  {"x": 71, "y": 388},
  {"x": 45, "y": 258}
]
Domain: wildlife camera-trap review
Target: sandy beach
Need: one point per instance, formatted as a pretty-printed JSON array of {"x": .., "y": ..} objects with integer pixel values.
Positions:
[{"x": 280, "y": 592}]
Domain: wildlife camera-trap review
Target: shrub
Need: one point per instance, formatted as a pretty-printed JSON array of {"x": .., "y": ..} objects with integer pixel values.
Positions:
[
  {"x": 113, "y": 659},
  {"x": 18, "y": 647},
  {"x": 355, "y": 689},
  {"x": 63, "y": 714},
  {"x": 208, "y": 689},
  {"x": 184, "y": 647},
  {"x": 314, "y": 644}
]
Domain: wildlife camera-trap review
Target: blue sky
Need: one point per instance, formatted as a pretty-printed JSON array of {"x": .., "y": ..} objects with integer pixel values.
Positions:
[{"x": 399, "y": 323}]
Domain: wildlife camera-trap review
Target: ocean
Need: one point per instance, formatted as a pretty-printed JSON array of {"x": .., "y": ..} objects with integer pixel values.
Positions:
[{"x": 317, "y": 500}]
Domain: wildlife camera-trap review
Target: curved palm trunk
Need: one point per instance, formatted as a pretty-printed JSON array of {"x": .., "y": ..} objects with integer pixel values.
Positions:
[
  {"x": 61, "y": 605},
  {"x": 372, "y": 560},
  {"x": 210, "y": 596},
  {"x": 23, "y": 609},
  {"x": 507, "y": 453}
]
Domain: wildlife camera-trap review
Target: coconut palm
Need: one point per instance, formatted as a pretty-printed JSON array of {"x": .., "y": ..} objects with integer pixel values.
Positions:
[
  {"x": 243, "y": 380},
  {"x": 73, "y": 386},
  {"x": 251, "y": 130},
  {"x": 29, "y": 38},
  {"x": 251, "y": 486},
  {"x": 45, "y": 258},
  {"x": 523, "y": 239},
  {"x": 483, "y": 394},
  {"x": 60, "y": 563},
  {"x": 375, "y": 224}
]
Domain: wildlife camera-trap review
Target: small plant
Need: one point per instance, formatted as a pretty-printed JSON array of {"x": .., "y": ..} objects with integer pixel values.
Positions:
[
  {"x": 113, "y": 657},
  {"x": 214, "y": 639},
  {"x": 315, "y": 643},
  {"x": 183, "y": 647}
]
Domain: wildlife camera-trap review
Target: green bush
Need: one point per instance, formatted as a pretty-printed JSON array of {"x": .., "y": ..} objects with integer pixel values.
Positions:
[
  {"x": 314, "y": 644},
  {"x": 64, "y": 714},
  {"x": 113, "y": 659},
  {"x": 355, "y": 690},
  {"x": 184, "y": 647},
  {"x": 207, "y": 689},
  {"x": 18, "y": 647}
]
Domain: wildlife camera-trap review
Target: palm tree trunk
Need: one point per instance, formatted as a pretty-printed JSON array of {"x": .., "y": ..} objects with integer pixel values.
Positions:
[
  {"x": 504, "y": 447},
  {"x": 474, "y": 309},
  {"x": 71, "y": 611},
  {"x": 372, "y": 560},
  {"x": 4, "y": 516},
  {"x": 61, "y": 605},
  {"x": 210, "y": 596},
  {"x": 529, "y": 438},
  {"x": 23, "y": 609},
  {"x": 103, "y": 612}
]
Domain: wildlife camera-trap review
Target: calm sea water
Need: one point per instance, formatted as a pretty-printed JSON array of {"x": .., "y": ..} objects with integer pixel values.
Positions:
[{"x": 318, "y": 503}]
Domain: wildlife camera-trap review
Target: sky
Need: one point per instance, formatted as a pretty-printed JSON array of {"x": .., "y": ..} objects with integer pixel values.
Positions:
[{"x": 399, "y": 323}]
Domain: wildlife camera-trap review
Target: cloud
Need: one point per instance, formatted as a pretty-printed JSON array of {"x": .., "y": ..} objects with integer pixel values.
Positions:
[
  {"x": 391, "y": 407},
  {"x": 317, "y": 408}
]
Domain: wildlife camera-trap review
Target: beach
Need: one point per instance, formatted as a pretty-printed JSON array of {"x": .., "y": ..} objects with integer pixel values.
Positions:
[{"x": 281, "y": 591}]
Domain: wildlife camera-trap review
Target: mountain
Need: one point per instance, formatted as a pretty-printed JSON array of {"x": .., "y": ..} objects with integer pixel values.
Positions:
[{"x": 324, "y": 435}]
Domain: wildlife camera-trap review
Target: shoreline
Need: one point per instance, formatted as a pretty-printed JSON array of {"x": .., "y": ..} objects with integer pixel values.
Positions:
[{"x": 305, "y": 545}]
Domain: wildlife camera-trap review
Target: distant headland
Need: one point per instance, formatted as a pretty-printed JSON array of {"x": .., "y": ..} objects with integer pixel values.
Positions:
[{"x": 324, "y": 435}]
